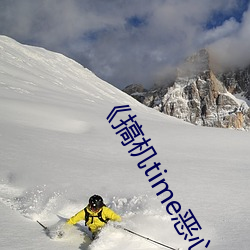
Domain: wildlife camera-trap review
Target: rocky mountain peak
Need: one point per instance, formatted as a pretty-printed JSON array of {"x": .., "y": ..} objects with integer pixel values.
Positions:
[
  {"x": 200, "y": 96},
  {"x": 196, "y": 64}
]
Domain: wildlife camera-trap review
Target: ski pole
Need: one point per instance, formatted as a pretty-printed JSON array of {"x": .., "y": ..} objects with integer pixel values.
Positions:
[
  {"x": 45, "y": 228},
  {"x": 159, "y": 243}
]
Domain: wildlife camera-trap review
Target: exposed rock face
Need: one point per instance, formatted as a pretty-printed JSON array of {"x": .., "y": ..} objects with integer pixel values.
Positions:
[
  {"x": 237, "y": 81},
  {"x": 198, "y": 96},
  {"x": 136, "y": 90}
]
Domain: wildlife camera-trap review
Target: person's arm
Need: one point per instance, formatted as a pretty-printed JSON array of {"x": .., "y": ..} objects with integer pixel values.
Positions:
[
  {"x": 110, "y": 214},
  {"x": 77, "y": 217}
]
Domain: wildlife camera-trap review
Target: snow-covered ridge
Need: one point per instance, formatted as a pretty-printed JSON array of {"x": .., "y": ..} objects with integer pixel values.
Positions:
[
  {"x": 35, "y": 74},
  {"x": 34, "y": 66}
]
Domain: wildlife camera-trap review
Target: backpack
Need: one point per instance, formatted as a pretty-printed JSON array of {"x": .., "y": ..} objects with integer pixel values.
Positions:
[{"x": 88, "y": 216}]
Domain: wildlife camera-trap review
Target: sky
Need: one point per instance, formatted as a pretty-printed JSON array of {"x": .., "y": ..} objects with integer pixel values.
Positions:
[{"x": 132, "y": 41}]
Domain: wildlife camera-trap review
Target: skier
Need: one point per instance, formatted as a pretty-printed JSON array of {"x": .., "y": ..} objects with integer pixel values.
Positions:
[{"x": 95, "y": 214}]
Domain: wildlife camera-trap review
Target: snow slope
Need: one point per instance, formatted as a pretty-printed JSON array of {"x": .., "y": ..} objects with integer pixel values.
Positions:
[{"x": 57, "y": 149}]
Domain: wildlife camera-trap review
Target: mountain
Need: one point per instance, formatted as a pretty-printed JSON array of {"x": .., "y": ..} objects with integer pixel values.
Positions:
[
  {"x": 237, "y": 81},
  {"x": 57, "y": 148},
  {"x": 202, "y": 96}
]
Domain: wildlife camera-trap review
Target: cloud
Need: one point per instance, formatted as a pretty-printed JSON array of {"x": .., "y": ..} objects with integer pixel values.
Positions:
[
  {"x": 126, "y": 42},
  {"x": 228, "y": 28},
  {"x": 233, "y": 48}
]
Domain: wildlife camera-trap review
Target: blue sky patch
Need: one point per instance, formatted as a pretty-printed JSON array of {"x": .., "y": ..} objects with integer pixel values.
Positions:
[
  {"x": 136, "y": 21},
  {"x": 219, "y": 17}
]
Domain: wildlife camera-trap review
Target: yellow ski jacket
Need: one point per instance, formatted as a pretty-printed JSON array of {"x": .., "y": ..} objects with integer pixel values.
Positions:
[{"x": 94, "y": 223}]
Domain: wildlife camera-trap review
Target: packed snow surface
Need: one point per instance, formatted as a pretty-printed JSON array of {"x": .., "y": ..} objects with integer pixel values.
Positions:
[{"x": 58, "y": 149}]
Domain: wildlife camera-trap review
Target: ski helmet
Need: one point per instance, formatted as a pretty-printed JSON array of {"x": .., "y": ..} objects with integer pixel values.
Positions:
[{"x": 96, "y": 202}]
